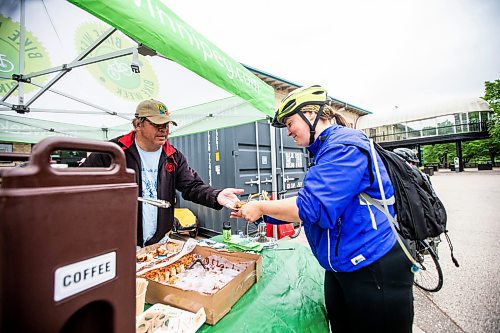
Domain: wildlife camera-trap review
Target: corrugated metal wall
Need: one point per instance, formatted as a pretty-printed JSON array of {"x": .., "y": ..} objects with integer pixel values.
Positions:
[{"x": 241, "y": 157}]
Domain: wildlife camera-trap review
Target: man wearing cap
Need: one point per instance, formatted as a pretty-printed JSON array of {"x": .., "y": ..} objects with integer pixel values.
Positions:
[{"x": 160, "y": 169}]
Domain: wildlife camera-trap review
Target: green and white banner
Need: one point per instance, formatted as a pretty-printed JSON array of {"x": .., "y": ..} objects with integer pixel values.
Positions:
[{"x": 151, "y": 23}]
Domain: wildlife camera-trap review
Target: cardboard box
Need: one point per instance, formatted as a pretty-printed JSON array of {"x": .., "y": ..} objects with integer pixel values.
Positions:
[{"x": 216, "y": 305}]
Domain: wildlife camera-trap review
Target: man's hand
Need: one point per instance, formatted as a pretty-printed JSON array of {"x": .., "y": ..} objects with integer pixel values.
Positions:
[{"x": 227, "y": 197}]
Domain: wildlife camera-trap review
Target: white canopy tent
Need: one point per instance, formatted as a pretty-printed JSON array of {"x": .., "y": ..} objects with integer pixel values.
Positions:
[{"x": 76, "y": 78}]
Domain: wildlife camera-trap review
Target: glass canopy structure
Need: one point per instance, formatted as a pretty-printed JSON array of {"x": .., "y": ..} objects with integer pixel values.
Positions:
[{"x": 428, "y": 124}]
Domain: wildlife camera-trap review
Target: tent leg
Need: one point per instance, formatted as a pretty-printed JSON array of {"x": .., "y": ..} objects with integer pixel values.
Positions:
[
  {"x": 22, "y": 43},
  {"x": 274, "y": 176}
]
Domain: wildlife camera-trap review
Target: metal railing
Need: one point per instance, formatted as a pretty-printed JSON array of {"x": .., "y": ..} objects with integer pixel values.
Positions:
[{"x": 471, "y": 127}]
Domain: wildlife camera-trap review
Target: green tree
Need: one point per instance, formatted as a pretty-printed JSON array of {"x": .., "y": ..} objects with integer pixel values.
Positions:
[
  {"x": 479, "y": 151},
  {"x": 475, "y": 151},
  {"x": 439, "y": 153},
  {"x": 492, "y": 96}
]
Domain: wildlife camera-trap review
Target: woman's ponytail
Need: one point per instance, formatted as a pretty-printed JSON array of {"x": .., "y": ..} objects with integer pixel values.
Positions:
[{"x": 334, "y": 113}]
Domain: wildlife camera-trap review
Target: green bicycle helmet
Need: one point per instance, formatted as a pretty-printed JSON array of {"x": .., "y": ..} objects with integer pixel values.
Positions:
[{"x": 294, "y": 101}]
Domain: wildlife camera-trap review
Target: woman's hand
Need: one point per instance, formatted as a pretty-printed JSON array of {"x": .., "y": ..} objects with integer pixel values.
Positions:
[
  {"x": 252, "y": 210},
  {"x": 236, "y": 214},
  {"x": 284, "y": 210}
]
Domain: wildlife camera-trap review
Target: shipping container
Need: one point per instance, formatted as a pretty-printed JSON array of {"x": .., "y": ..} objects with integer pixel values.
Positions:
[{"x": 241, "y": 157}]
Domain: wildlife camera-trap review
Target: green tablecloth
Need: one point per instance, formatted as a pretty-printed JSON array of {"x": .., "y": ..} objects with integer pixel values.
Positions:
[{"x": 288, "y": 298}]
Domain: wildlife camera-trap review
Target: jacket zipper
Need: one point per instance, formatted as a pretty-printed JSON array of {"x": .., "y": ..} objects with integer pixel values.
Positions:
[{"x": 339, "y": 222}]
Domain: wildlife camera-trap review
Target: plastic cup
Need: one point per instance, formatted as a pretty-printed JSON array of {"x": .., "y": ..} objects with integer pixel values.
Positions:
[
  {"x": 140, "y": 299},
  {"x": 141, "y": 286}
]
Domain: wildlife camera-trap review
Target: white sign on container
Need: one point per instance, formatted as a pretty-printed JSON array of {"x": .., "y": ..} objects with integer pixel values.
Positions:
[{"x": 79, "y": 276}]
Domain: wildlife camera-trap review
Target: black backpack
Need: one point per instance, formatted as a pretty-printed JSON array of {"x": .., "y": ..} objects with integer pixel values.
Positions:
[{"x": 419, "y": 212}]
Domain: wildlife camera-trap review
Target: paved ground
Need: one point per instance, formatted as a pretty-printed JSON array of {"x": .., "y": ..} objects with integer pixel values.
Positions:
[{"x": 470, "y": 298}]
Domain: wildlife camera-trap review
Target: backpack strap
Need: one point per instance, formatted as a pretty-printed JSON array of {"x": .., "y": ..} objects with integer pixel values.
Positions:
[
  {"x": 455, "y": 261},
  {"x": 385, "y": 209},
  {"x": 370, "y": 171},
  {"x": 367, "y": 201}
]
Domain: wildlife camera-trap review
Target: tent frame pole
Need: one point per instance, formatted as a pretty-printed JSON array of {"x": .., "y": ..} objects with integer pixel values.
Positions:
[
  {"x": 208, "y": 116},
  {"x": 82, "y": 55},
  {"x": 112, "y": 113},
  {"x": 274, "y": 175},
  {"x": 21, "y": 78},
  {"x": 100, "y": 112},
  {"x": 22, "y": 44},
  {"x": 6, "y": 104},
  {"x": 79, "y": 63}
]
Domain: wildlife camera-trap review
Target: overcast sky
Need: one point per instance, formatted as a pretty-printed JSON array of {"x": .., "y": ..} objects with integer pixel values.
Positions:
[{"x": 375, "y": 54}]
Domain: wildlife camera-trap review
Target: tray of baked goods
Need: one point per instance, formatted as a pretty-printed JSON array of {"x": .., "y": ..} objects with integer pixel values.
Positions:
[
  {"x": 198, "y": 276},
  {"x": 155, "y": 254}
]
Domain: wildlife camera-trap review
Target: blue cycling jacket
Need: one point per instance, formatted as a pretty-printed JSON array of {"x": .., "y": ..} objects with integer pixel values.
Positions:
[{"x": 344, "y": 232}]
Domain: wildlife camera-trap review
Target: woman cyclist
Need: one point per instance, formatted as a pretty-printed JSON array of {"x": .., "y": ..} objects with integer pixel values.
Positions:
[{"x": 368, "y": 281}]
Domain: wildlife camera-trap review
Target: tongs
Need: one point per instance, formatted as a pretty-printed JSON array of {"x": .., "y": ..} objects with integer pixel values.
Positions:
[
  {"x": 197, "y": 259},
  {"x": 155, "y": 202}
]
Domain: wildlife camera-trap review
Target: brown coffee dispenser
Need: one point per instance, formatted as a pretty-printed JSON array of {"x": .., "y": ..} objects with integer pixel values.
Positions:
[{"x": 67, "y": 244}]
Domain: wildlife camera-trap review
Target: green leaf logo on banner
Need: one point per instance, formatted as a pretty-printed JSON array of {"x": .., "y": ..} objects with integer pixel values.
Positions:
[
  {"x": 36, "y": 57},
  {"x": 115, "y": 74},
  {"x": 151, "y": 23}
]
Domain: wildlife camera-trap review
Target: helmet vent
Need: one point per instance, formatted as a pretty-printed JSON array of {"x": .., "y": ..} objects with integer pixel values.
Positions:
[{"x": 289, "y": 105}]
